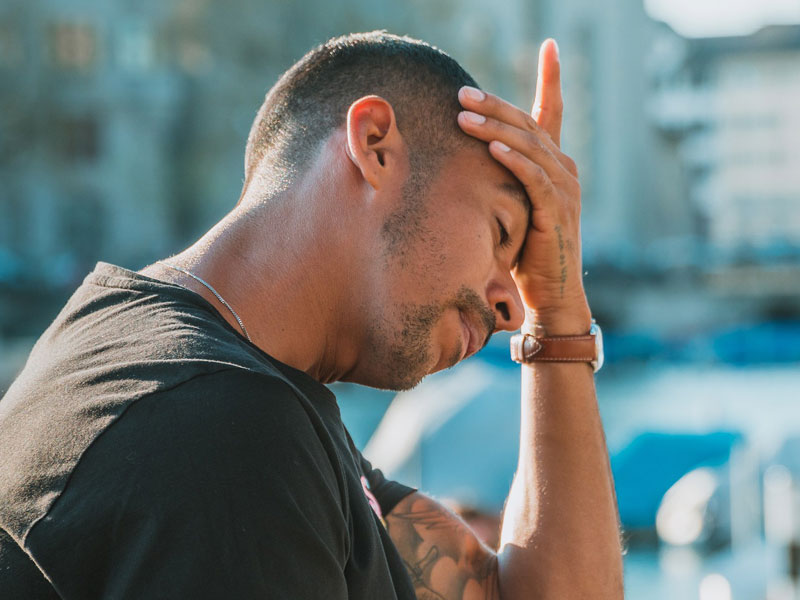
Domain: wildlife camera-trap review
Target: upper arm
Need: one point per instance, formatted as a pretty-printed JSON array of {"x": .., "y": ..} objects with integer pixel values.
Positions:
[{"x": 444, "y": 557}]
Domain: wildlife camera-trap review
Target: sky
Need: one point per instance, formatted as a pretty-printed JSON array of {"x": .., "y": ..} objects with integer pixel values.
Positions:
[{"x": 707, "y": 18}]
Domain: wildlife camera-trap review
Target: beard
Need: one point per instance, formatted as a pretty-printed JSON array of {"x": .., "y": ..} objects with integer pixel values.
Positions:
[{"x": 405, "y": 356}]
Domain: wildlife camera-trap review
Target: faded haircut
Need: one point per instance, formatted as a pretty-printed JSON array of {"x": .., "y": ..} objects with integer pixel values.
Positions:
[{"x": 312, "y": 98}]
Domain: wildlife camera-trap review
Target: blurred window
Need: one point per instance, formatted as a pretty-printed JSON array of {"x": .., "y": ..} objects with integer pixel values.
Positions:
[
  {"x": 77, "y": 138},
  {"x": 72, "y": 45},
  {"x": 13, "y": 225},
  {"x": 193, "y": 56},
  {"x": 135, "y": 46},
  {"x": 11, "y": 48},
  {"x": 81, "y": 225}
]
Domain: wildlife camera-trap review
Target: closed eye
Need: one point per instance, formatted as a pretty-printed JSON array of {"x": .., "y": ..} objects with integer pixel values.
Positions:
[{"x": 505, "y": 239}]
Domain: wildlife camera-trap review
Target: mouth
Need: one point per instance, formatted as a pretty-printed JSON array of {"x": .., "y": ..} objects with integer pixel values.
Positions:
[{"x": 471, "y": 337}]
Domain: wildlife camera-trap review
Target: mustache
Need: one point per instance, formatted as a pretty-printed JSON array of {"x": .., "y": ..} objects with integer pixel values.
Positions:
[{"x": 470, "y": 302}]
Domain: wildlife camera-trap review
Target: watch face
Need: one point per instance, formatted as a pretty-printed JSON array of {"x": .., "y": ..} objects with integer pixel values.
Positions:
[{"x": 598, "y": 345}]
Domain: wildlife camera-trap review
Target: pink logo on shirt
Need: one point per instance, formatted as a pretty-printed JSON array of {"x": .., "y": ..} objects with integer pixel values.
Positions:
[{"x": 373, "y": 502}]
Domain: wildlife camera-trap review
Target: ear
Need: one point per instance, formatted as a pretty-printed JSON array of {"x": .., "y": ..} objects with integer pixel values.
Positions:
[{"x": 374, "y": 143}]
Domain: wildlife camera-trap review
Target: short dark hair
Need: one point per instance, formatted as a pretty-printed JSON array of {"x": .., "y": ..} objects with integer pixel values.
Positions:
[{"x": 311, "y": 99}]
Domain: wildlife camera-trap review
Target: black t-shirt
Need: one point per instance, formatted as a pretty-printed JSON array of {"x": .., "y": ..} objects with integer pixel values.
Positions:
[{"x": 147, "y": 450}]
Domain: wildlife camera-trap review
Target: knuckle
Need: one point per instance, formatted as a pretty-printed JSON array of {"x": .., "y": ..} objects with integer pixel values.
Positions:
[
  {"x": 570, "y": 165},
  {"x": 574, "y": 187},
  {"x": 530, "y": 123},
  {"x": 533, "y": 146},
  {"x": 537, "y": 174},
  {"x": 492, "y": 127}
]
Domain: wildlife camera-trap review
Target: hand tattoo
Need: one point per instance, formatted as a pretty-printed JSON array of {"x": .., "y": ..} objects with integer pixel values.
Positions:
[{"x": 562, "y": 259}]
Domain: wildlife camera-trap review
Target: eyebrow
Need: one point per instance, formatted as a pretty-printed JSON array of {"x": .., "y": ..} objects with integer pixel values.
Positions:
[{"x": 518, "y": 193}]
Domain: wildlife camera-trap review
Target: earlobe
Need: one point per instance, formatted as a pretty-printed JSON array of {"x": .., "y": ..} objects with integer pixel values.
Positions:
[{"x": 372, "y": 138}]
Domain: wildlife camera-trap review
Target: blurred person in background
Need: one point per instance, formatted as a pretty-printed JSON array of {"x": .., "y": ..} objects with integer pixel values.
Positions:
[{"x": 171, "y": 436}]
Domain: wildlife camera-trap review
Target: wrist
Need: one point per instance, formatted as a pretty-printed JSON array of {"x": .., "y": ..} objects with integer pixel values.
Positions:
[
  {"x": 575, "y": 321},
  {"x": 564, "y": 338}
]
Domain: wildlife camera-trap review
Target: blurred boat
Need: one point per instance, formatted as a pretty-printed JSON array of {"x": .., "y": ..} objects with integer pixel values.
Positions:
[{"x": 653, "y": 462}]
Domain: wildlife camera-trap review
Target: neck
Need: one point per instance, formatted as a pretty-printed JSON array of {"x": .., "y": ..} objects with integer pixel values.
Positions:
[{"x": 285, "y": 277}]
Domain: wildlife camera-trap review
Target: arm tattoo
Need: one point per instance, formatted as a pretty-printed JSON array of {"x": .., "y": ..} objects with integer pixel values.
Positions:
[{"x": 444, "y": 558}]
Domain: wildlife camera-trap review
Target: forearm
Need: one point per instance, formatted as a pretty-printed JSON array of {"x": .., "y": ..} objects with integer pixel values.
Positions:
[{"x": 560, "y": 535}]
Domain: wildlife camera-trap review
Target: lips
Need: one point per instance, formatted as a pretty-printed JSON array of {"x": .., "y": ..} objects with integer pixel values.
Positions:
[{"x": 471, "y": 337}]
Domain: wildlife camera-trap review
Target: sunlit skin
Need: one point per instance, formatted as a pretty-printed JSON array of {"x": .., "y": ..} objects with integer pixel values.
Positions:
[
  {"x": 311, "y": 275},
  {"x": 473, "y": 230},
  {"x": 324, "y": 277},
  {"x": 559, "y": 535}
]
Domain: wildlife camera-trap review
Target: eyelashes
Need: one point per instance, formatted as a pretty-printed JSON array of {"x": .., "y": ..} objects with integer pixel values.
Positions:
[{"x": 505, "y": 239}]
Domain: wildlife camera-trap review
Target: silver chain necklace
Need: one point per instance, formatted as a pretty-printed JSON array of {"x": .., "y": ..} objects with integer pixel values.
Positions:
[{"x": 213, "y": 291}]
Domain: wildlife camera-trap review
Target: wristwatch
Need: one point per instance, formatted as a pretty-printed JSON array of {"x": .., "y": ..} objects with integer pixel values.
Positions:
[{"x": 527, "y": 348}]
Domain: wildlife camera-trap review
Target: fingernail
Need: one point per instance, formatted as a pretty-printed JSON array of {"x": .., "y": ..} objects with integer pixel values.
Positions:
[
  {"x": 558, "y": 53},
  {"x": 500, "y": 146},
  {"x": 474, "y": 93},
  {"x": 474, "y": 117}
]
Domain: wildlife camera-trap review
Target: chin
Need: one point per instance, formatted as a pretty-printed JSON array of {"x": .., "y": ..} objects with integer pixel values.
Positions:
[
  {"x": 388, "y": 380},
  {"x": 401, "y": 366},
  {"x": 393, "y": 385},
  {"x": 405, "y": 386}
]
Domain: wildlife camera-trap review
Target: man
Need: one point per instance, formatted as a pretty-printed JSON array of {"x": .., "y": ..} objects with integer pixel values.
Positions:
[{"x": 170, "y": 436}]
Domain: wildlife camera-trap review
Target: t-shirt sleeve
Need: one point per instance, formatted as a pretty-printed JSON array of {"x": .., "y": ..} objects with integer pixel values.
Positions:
[
  {"x": 224, "y": 488},
  {"x": 386, "y": 491}
]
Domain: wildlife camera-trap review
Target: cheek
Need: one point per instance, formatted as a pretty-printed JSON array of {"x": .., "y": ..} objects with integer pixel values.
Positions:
[
  {"x": 453, "y": 253},
  {"x": 464, "y": 242},
  {"x": 469, "y": 255}
]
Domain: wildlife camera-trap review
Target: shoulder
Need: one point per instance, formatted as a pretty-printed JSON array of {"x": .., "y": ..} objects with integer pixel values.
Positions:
[
  {"x": 223, "y": 440},
  {"x": 207, "y": 398},
  {"x": 232, "y": 412},
  {"x": 222, "y": 436}
]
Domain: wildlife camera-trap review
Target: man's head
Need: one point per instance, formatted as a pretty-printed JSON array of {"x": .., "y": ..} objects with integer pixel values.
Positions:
[
  {"x": 366, "y": 125},
  {"x": 312, "y": 99}
]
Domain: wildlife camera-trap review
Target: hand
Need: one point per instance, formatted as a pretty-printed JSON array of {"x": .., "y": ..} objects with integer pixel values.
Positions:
[{"x": 548, "y": 273}]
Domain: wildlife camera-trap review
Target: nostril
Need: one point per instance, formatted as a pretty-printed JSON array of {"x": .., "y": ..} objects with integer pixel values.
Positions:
[{"x": 503, "y": 308}]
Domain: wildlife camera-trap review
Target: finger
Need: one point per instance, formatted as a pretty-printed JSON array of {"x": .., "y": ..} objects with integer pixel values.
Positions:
[
  {"x": 493, "y": 106},
  {"x": 524, "y": 142},
  {"x": 538, "y": 186},
  {"x": 548, "y": 106}
]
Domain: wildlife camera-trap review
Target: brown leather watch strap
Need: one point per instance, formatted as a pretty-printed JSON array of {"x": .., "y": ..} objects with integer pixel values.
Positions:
[{"x": 526, "y": 348}]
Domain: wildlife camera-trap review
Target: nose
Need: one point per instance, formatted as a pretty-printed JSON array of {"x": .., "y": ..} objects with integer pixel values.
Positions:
[{"x": 506, "y": 303}]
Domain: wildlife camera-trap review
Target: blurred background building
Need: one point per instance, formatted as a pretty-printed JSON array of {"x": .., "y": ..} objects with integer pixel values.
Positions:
[
  {"x": 122, "y": 133},
  {"x": 729, "y": 104}
]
